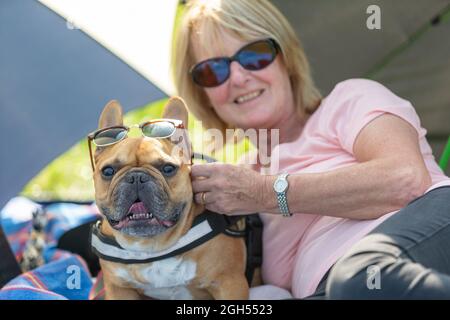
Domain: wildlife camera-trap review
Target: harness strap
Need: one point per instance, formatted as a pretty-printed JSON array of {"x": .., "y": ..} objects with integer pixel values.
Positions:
[{"x": 205, "y": 227}]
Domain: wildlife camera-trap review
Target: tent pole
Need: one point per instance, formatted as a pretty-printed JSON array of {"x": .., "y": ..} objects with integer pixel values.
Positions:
[{"x": 443, "y": 163}]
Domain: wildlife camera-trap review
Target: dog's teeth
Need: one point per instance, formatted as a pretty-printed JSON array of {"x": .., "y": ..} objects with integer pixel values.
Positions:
[{"x": 140, "y": 216}]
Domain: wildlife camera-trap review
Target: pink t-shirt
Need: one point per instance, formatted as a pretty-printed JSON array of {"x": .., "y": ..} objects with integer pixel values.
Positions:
[{"x": 299, "y": 250}]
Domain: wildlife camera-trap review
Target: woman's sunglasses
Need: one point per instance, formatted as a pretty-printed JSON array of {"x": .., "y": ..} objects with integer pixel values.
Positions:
[
  {"x": 253, "y": 56},
  {"x": 160, "y": 129}
]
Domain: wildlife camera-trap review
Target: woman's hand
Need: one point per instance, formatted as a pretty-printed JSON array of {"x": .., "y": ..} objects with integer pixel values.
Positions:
[{"x": 230, "y": 189}]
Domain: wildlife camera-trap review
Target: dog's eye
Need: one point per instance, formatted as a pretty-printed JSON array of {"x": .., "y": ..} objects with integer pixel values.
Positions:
[
  {"x": 108, "y": 172},
  {"x": 169, "y": 170}
]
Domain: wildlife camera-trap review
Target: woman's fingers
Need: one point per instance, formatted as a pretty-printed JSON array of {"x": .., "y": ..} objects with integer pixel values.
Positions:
[
  {"x": 202, "y": 170},
  {"x": 225, "y": 188},
  {"x": 203, "y": 198},
  {"x": 201, "y": 185}
]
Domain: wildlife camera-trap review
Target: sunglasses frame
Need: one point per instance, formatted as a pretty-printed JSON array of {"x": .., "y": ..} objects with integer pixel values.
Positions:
[
  {"x": 272, "y": 43},
  {"x": 178, "y": 124}
]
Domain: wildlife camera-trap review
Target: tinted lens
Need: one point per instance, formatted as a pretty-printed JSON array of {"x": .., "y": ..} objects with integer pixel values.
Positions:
[
  {"x": 257, "y": 55},
  {"x": 109, "y": 136},
  {"x": 162, "y": 129},
  {"x": 212, "y": 72}
]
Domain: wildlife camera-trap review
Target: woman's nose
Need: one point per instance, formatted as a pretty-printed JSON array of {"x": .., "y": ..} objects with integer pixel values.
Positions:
[{"x": 238, "y": 75}]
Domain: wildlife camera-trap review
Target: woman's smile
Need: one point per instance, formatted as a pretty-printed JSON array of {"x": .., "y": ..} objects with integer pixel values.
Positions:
[{"x": 251, "y": 96}]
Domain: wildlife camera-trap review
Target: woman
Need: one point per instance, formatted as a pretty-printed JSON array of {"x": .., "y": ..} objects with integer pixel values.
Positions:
[{"x": 364, "y": 197}]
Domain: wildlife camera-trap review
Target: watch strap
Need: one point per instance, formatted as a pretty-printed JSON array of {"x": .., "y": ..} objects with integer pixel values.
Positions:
[{"x": 282, "y": 198}]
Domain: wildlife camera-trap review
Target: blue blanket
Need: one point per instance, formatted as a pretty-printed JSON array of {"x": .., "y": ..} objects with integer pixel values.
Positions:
[{"x": 63, "y": 275}]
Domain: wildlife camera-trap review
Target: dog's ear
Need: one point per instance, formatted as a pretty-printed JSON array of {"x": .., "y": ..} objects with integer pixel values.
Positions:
[
  {"x": 176, "y": 109},
  {"x": 111, "y": 115}
]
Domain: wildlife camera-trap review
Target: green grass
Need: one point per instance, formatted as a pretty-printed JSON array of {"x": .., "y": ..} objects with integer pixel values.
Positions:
[{"x": 69, "y": 177}]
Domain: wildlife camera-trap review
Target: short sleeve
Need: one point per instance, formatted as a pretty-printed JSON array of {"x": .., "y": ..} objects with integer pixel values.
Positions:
[{"x": 354, "y": 103}]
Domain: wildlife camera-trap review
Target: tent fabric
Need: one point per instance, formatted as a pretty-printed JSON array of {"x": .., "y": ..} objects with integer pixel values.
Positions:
[
  {"x": 138, "y": 32},
  {"x": 51, "y": 282},
  {"x": 421, "y": 73},
  {"x": 54, "y": 81},
  {"x": 409, "y": 54},
  {"x": 48, "y": 281},
  {"x": 16, "y": 221},
  {"x": 336, "y": 38}
]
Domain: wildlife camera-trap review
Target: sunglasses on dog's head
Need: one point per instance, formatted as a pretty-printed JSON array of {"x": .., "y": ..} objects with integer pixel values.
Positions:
[
  {"x": 159, "y": 128},
  {"x": 253, "y": 56}
]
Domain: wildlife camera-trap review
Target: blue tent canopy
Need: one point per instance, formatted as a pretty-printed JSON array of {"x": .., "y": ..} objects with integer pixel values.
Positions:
[{"x": 54, "y": 80}]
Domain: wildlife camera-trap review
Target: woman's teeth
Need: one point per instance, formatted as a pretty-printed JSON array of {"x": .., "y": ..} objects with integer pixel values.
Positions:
[{"x": 249, "y": 96}]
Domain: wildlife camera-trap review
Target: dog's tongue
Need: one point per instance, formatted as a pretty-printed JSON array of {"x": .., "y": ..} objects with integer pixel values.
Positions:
[{"x": 138, "y": 207}]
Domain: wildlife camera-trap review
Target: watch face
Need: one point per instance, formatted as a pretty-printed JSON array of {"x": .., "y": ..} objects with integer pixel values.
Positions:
[{"x": 280, "y": 185}]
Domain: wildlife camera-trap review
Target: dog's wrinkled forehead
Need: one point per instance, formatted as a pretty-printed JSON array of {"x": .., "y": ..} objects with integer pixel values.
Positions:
[
  {"x": 151, "y": 149},
  {"x": 138, "y": 152}
]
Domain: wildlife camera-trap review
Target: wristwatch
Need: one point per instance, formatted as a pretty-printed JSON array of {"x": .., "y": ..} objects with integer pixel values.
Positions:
[{"x": 280, "y": 187}]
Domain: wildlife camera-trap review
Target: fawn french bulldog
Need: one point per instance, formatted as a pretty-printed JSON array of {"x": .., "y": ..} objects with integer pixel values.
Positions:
[{"x": 143, "y": 190}]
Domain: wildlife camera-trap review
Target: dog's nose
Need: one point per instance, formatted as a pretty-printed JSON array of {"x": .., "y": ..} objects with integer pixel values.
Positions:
[{"x": 137, "y": 177}]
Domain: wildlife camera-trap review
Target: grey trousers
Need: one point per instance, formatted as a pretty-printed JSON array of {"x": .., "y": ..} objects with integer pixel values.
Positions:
[{"x": 405, "y": 257}]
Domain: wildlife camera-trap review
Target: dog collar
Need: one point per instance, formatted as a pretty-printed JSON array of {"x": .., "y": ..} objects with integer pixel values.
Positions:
[{"x": 205, "y": 227}]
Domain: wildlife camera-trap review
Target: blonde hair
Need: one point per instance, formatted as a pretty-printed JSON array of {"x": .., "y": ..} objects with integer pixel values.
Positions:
[{"x": 249, "y": 20}]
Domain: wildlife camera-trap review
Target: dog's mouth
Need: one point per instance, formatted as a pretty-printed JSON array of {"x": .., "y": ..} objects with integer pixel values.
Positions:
[{"x": 139, "y": 215}]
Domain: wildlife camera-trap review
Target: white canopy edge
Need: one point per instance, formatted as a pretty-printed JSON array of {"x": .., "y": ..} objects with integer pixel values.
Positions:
[{"x": 139, "y": 32}]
